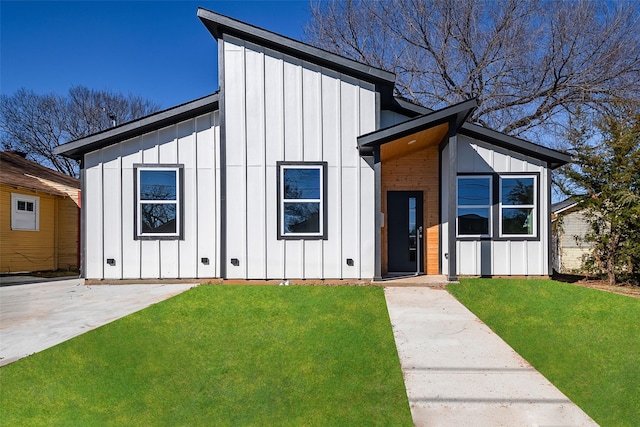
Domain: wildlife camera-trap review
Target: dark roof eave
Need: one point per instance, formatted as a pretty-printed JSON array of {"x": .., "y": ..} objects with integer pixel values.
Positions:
[
  {"x": 76, "y": 149},
  {"x": 219, "y": 24},
  {"x": 374, "y": 139},
  {"x": 555, "y": 158}
]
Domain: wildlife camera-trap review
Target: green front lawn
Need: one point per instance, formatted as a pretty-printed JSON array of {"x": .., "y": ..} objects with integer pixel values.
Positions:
[
  {"x": 585, "y": 341},
  {"x": 222, "y": 355}
]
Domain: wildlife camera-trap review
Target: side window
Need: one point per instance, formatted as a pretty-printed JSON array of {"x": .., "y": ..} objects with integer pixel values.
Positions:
[
  {"x": 302, "y": 200},
  {"x": 518, "y": 205},
  {"x": 158, "y": 213},
  {"x": 25, "y": 212},
  {"x": 474, "y": 206}
]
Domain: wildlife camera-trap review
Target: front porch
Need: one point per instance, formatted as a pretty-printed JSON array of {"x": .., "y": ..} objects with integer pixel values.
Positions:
[{"x": 409, "y": 179}]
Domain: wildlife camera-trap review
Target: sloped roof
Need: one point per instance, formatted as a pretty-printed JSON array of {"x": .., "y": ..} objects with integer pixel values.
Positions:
[
  {"x": 564, "y": 205},
  {"x": 555, "y": 158},
  {"x": 76, "y": 149},
  {"x": 219, "y": 24},
  {"x": 17, "y": 171},
  {"x": 458, "y": 111}
]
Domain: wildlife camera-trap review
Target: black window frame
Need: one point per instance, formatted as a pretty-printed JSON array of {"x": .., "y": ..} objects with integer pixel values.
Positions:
[
  {"x": 488, "y": 206},
  {"x": 496, "y": 211},
  {"x": 322, "y": 234},
  {"x": 179, "y": 234},
  {"x": 535, "y": 206}
]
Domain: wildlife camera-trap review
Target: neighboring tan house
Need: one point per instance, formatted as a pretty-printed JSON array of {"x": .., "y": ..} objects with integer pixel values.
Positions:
[
  {"x": 39, "y": 216},
  {"x": 305, "y": 166},
  {"x": 569, "y": 226}
]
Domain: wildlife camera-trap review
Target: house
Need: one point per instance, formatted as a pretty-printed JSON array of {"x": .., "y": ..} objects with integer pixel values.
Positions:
[
  {"x": 569, "y": 227},
  {"x": 40, "y": 219},
  {"x": 305, "y": 166}
]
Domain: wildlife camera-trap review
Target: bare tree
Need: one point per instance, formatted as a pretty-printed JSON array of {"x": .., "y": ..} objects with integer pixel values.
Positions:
[
  {"x": 531, "y": 64},
  {"x": 36, "y": 124}
]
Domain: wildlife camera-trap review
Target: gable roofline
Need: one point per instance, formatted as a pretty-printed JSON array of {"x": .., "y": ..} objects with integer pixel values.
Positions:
[
  {"x": 76, "y": 149},
  {"x": 218, "y": 25},
  {"x": 460, "y": 111},
  {"x": 555, "y": 158}
]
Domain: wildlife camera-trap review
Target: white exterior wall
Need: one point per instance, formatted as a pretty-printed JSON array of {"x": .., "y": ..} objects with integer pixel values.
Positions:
[
  {"x": 572, "y": 247},
  {"x": 498, "y": 257},
  {"x": 109, "y": 210},
  {"x": 279, "y": 108}
]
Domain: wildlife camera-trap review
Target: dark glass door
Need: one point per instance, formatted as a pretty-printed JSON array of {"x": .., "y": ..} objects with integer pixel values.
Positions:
[{"x": 404, "y": 218}]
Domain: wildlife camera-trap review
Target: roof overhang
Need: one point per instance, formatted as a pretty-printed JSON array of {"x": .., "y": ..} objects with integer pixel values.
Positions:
[
  {"x": 554, "y": 158},
  {"x": 433, "y": 124},
  {"x": 76, "y": 149},
  {"x": 218, "y": 25}
]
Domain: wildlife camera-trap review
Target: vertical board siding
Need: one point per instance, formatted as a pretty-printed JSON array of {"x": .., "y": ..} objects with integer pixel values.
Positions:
[
  {"x": 94, "y": 215},
  {"x": 207, "y": 186},
  {"x": 188, "y": 248},
  {"x": 112, "y": 211},
  {"x": 279, "y": 108},
  {"x": 110, "y": 205},
  {"x": 503, "y": 257},
  {"x": 131, "y": 153}
]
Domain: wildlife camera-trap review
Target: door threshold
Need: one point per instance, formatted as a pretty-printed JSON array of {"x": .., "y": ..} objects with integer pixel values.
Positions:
[{"x": 401, "y": 275}]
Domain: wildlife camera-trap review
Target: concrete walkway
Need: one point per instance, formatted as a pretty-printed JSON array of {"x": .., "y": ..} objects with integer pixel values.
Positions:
[
  {"x": 459, "y": 373},
  {"x": 36, "y": 316}
]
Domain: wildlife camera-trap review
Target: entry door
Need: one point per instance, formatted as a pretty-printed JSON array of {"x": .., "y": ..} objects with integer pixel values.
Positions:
[{"x": 404, "y": 217}]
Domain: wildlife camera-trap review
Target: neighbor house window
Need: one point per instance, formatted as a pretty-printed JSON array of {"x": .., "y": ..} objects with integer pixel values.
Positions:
[
  {"x": 302, "y": 200},
  {"x": 517, "y": 205},
  {"x": 474, "y": 206},
  {"x": 158, "y": 202},
  {"x": 25, "y": 212}
]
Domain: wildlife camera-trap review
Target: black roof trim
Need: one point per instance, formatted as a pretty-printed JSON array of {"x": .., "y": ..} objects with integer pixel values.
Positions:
[
  {"x": 555, "y": 158},
  {"x": 374, "y": 139},
  {"x": 76, "y": 149},
  {"x": 407, "y": 108},
  {"x": 219, "y": 24}
]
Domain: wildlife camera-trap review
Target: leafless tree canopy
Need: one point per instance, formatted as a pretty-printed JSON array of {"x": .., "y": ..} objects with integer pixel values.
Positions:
[
  {"x": 531, "y": 64},
  {"x": 36, "y": 124}
]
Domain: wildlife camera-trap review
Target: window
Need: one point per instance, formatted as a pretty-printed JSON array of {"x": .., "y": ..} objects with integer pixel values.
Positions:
[
  {"x": 517, "y": 205},
  {"x": 25, "y": 213},
  {"x": 158, "y": 202},
  {"x": 474, "y": 206},
  {"x": 302, "y": 200}
]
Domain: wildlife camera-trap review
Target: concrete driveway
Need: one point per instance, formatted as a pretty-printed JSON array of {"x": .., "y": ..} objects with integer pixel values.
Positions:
[
  {"x": 459, "y": 373},
  {"x": 36, "y": 316}
]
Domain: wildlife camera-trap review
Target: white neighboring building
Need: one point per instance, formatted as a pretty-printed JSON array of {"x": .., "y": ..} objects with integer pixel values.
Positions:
[{"x": 569, "y": 227}]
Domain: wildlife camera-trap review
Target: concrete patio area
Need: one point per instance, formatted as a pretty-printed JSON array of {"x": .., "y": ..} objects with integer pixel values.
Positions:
[
  {"x": 36, "y": 316},
  {"x": 459, "y": 373}
]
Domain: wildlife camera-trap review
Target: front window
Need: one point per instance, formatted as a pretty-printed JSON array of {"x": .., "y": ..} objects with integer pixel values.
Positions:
[
  {"x": 474, "y": 206},
  {"x": 517, "y": 205},
  {"x": 301, "y": 204},
  {"x": 25, "y": 213},
  {"x": 158, "y": 202}
]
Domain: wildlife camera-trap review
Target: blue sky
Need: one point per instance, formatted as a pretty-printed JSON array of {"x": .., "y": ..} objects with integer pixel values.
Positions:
[{"x": 156, "y": 49}]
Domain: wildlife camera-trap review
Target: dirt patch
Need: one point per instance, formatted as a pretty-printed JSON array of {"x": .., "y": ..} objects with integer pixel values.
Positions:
[
  {"x": 630, "y": 291},
  {"x": 587, "y": 282}
]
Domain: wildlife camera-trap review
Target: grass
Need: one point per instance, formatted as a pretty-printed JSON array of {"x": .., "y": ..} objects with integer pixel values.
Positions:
[
  {"x": 222, "y": 355},
  {"x": 585, "y": 341}
]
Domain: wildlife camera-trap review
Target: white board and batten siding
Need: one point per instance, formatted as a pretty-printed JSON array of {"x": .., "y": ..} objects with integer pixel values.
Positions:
[
  {"x": 110, "y": 196},
  {"x": 279, "y": 108},
  {"x": 498, "y": 257}
]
